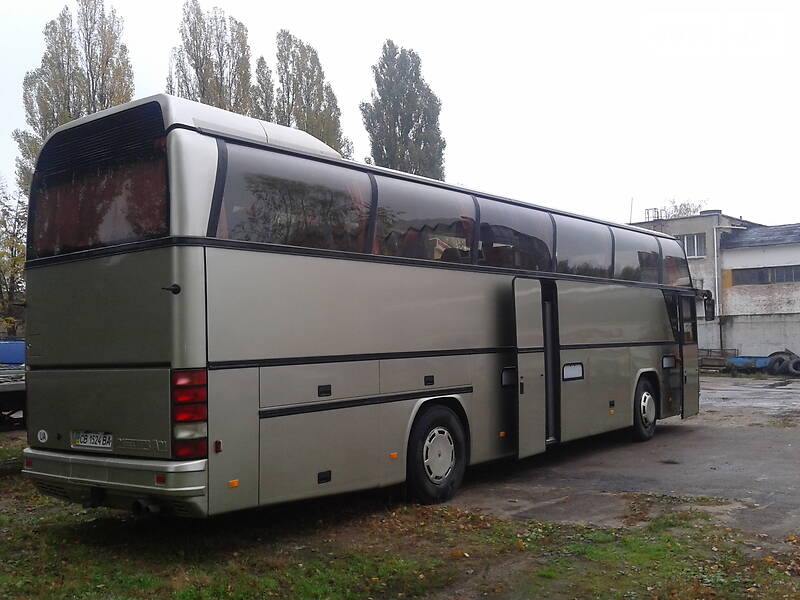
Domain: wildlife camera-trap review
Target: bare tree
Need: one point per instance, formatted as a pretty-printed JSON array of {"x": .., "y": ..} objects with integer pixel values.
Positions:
[
  {"x": 212, "y": 64},
  {"x": 104, "y": 58},
  {"x": 674, "y": 209},
  {"x": 83, "y": 70}
]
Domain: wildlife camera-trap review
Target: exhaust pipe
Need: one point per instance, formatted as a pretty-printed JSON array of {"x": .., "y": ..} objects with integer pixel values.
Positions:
[{"x": 141, "y": 507}]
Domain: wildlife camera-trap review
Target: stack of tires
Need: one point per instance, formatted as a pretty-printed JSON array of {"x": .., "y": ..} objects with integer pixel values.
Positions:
[{"x": 784, "y": 363}]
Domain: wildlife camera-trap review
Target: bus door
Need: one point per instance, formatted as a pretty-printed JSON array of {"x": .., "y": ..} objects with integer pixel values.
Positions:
[
  {"x": 689, "y": 356},
  {"x": 531, "y": 398},
  {"x": 672, "y": 359}
]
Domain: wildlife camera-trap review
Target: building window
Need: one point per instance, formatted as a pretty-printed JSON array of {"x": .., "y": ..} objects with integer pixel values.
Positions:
[
  {"x": 694, "y": 244},
  {"x": 766, "y": 275}
]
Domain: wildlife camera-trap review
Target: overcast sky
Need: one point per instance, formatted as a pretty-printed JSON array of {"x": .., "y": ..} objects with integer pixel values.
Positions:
[{"x": 583, "y": 106}]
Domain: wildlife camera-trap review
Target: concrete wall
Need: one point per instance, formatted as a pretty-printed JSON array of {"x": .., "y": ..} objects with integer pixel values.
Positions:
[
  {"x": 772, "y": 298},
  {"x": 761, "y": 335}
]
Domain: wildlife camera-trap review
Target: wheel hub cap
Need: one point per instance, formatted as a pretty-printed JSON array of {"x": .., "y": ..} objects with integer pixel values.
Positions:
[
  {"x": 647, "y": 407},
  {"x": 439, "y": 454}
]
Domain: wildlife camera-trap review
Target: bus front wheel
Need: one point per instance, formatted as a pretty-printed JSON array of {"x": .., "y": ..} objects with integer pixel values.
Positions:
[
  {"x": 644, "y": 411},
  {"x": 437, "y": 455}
]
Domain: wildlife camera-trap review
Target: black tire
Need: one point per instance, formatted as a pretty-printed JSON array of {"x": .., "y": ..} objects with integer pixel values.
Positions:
[
  {"x": 776, "y": 364},
  {"x": 435, "y": 430},
  {"x": 644, "y": 411},
  {"x": 793, "y": 367}
]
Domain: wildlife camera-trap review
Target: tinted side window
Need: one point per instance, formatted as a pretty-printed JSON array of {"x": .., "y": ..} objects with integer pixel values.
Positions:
[
  {"x": 583, "y": 247},
  {"x": 676, "y": 268},
  {"x": 636, "y": 256},
  {"x": 515, "y": 237},
  {"x": 280, "y": 199},
  {"x": 422, "y": 221}
]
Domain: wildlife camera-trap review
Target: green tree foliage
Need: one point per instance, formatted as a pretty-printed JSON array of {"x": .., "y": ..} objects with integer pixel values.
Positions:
[
  {"x": 304, "y": 99},
  {"x": 402, "y": 116},
  {"x": 212, "y": 63},
  {"x": 85, "y": 68},
  {"x": 263, "y": 92},
  {"x": 13, "y": 223}
]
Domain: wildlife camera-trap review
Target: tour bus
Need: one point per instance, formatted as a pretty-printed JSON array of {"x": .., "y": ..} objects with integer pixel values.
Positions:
[{"x": 223, "y": 314}]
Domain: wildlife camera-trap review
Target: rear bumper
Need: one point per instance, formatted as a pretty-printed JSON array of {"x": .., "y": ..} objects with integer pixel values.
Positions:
[{"x": 120, "y": 482}]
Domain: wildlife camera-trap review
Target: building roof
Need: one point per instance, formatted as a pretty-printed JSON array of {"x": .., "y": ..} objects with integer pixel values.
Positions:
[{"x": 765, "y": 235}]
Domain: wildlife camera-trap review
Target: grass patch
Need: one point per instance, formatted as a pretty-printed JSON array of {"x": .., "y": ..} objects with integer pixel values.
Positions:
[{"x": 367, "y": 546}]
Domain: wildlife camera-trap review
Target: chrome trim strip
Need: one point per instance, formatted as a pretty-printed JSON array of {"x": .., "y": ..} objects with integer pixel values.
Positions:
[{"x": 133, "y": 464}]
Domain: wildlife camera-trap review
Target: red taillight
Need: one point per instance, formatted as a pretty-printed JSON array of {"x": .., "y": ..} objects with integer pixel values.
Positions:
[
  {"x": 186, "y": 413},
  {"x": 189, "y": 413},
  {"x": 186, "y": 395},
  {"x": 190, "y": 448}
]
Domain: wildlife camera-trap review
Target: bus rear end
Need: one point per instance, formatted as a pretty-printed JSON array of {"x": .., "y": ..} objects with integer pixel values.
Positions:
[{"x": 116, "y": 380}]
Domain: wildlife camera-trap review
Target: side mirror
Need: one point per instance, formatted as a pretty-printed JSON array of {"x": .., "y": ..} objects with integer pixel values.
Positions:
[{"x": 709, "y": 306}]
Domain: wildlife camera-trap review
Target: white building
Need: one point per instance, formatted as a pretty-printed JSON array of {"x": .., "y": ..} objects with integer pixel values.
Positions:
[{"x": 753, "y": 271}]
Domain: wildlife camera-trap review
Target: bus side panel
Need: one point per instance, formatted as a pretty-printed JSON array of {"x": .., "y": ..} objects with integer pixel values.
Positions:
[
  {"x": 492, "y": 413},
  {"x": 324, "y": 452},
  {"x": 600, "y": 401},
  {"x": 272, "y": 306},
  {"x": 601, "y": 315},
  {"x": 233, "y": 422},
  {"x": 298, "y": 384}
]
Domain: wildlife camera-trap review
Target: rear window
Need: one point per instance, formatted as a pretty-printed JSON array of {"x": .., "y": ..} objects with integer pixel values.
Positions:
[
  {"x": 278, "y": 199},
  {"x": 100, "y": 184}
]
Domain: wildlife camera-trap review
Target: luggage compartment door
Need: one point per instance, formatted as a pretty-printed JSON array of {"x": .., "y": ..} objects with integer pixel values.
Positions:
[{"x": 531, "y": 408}]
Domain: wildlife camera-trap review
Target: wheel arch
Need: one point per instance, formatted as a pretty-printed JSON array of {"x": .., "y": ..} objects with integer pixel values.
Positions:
[
  {"x": 454, "y": 403},
  {"x": 652, "y": 377}
]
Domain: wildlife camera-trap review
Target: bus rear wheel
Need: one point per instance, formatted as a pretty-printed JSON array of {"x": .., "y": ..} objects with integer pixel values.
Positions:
[
  {"x": 644, "y": 411},
  {"x": 437, "y": 455}
]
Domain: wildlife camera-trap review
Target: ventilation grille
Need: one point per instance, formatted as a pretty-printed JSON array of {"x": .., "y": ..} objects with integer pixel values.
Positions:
[{"x": 125, "y": 134}]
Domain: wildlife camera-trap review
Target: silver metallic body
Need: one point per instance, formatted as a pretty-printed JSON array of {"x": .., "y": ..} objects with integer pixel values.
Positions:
[{"x": 276, "y": 327}]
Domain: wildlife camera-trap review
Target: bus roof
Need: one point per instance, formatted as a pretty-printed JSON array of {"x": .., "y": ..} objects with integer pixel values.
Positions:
[{"x": 179, "y": 112}]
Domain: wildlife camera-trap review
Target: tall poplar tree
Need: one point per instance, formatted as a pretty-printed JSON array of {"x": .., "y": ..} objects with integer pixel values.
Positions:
[
  {"x": 263, "y": 92},
  {"x": 402, "y": 116},
  {"x": 212, "y": 63},
  {"x": 84, "y": 68},
  {"x": 304, "y": 98}
]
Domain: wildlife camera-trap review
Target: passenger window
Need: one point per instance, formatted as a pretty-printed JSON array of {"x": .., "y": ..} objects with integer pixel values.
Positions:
[
  {"x": 582, "y": 247},
  {"x": 515, "y": 237},
  {"x": 676, "y": 268},
  {"x": 280, "y": 199},
  {"x": 422, "y": 221},
  {"x": 636, "y": 256}
]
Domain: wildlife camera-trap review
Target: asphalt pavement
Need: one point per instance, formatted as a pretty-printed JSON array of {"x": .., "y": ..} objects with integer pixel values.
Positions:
[{"x": 744, "y": 447}]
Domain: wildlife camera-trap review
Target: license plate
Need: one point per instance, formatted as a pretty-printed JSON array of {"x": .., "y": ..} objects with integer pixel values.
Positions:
[{"x": 92, "y": 439}]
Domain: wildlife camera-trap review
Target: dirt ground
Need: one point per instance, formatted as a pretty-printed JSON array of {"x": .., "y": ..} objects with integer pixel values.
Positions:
[
  {"x": 744, "y": 446},
  {"x": 707, "y": 509}
]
